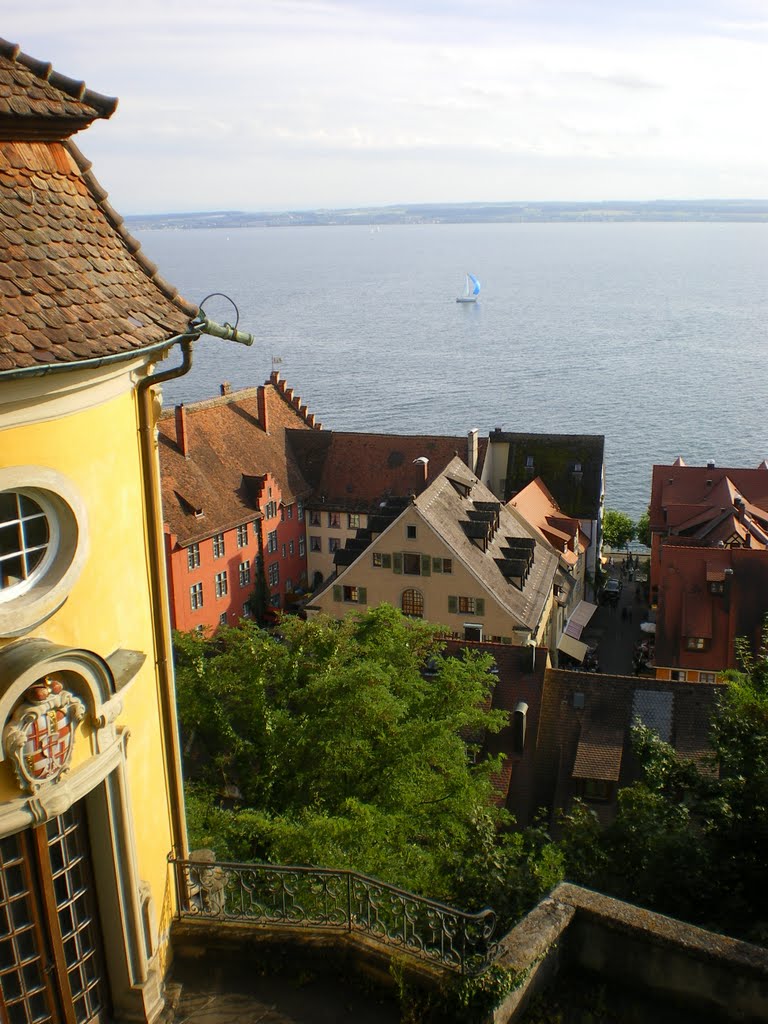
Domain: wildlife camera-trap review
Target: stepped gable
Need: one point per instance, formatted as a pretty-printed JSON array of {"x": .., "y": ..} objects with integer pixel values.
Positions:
[
  {"x": 356, "y": 472},
  {"x": 73, "y": 283},
  {"x": 508, "y": 556},
  {"x": 585, "y": 727},
  {"x": 293, "y": 401},
  {"x": 571, "y": 465},
  {"x": 214, "y": 455}
]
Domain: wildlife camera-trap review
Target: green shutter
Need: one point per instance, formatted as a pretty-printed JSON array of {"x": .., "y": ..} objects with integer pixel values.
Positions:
[
  {"x": 397, "y": 562},
  {"x": 386, "y": 561},
  {"x": 426, "y": 565},
  {"x": 479, "y": 606},
  {"x": 337, "y": 592},
  {"x": 437, "y": 565},
  {"x": 453, "y": 605},
  {"x": 362, "y": 595}
]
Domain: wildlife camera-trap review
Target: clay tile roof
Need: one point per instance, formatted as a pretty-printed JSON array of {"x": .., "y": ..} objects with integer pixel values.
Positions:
[
  {"x": 599, "y": 753},
  {"x": 356, "y": 472},
  {"x": 213, "y": 489},
  {"x": 38, "y": 102},
  {"x": 73, "y": 283}
]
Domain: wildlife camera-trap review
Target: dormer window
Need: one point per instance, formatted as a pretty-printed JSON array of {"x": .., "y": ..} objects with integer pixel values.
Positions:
[{"x": 529, "y": 462}]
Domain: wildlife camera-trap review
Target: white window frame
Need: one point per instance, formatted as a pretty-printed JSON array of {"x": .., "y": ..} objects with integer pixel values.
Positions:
[
  {"x": 221, "y": 584},
  {"x": 28, "y": 603}
]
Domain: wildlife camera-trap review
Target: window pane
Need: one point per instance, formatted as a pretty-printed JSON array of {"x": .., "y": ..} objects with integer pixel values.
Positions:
[
  {"x": 36, "y": 532},
  {"x": 10, "y": 539},
  {"x": 9, "y": 508}
]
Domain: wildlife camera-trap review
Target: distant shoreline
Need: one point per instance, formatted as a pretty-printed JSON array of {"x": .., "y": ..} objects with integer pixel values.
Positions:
[{"x": 753, "y": 211}]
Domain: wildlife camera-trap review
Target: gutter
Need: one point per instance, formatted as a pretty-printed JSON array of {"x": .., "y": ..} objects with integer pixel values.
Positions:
[
  {"x": 150, "y": 470},
  {"x": 200, "y": 325}
]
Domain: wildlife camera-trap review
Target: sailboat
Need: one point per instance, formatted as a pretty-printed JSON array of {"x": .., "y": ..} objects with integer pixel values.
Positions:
[{"x": 471, "y": 290}]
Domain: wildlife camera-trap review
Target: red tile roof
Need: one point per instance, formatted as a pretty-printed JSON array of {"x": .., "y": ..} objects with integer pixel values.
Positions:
[
  {"x": 356, "y": 472},
  {"x": 73, "y": 283},
  {"x": 212, "y": 489}
]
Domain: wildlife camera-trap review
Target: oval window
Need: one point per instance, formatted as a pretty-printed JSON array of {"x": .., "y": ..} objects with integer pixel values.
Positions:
[
  {"x": 26, "y": 541},
  {"x": 43, "y": 545}
]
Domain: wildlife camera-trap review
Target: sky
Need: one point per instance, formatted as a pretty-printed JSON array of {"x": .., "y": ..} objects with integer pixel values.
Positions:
[{"x": 299, "y": 104}]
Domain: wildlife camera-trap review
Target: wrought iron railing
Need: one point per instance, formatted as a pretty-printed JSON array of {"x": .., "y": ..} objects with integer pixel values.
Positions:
[{"x": 301, "y": 897}]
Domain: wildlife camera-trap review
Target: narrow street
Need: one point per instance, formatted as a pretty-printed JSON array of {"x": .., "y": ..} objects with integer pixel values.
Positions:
[{"x": 616, "y": 628}]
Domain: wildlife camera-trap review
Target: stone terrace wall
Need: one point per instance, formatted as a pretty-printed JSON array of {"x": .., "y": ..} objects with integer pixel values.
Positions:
[{"x": 669, "y": 960}]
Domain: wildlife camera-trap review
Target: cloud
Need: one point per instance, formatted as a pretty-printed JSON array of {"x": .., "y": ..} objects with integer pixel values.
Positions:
[{"x": 293, "y": 102}]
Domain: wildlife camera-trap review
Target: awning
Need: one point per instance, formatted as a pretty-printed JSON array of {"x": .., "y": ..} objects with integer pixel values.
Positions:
[
  {"x": 579, "y": 618},
  {"x": 573, "y": 648}
]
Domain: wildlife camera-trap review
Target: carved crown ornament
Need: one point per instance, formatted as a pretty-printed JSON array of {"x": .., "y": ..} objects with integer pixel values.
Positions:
[{"x": 39, "y": 737}]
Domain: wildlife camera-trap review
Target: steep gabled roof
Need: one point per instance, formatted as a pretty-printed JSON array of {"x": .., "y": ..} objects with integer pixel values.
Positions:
[
  {"x": 73, "y": 283},
  {"x": 719, "y": 507},
  {"x": 356, "y": 471},
  {"x": 682, "y": 489},
  {"x": 571, "y": 465},
  {"x": 216, "y": 486},
  {"x": 537, "y": 506},
  {"x": 449, "y": 506}
]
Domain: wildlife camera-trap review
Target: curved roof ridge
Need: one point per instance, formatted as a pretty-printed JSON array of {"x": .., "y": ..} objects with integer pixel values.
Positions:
[
  {"x": 103, "y": 106},
  {"x": 116, "y": 221}
]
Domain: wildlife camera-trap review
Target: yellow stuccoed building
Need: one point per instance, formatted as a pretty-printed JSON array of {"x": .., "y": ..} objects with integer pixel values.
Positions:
[{"x": 90, "y": 786}]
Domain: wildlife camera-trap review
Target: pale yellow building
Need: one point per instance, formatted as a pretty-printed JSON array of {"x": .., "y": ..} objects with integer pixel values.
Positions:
[
  {"x": 90, "y": 788},
  {"x": 454, "y": 555}
]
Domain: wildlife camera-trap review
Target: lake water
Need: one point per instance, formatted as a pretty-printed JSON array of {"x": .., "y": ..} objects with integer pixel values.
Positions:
[{"x": 651, "y": 334}]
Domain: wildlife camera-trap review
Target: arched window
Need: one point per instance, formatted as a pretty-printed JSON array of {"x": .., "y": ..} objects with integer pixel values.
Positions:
[{"x": 412, "y": 603}]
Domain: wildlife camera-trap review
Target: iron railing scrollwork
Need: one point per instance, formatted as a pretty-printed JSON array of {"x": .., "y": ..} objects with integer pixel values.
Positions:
[{"x": 302, "y": 897}]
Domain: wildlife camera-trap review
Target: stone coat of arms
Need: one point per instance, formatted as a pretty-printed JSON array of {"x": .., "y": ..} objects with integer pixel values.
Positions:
[{"x": 40, "y": 734}]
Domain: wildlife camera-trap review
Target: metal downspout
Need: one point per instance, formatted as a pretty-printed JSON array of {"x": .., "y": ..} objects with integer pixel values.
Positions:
[
  {"x": 159, "y": 589},
  {"x": 159, "y": 581}
]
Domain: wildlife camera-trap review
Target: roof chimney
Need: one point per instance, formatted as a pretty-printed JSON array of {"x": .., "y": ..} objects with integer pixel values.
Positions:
[
  {"x": 261, "y": 398},
  {"x": 226, "y": 388},
  {"x": 710, "y": 465},
  {"x": 425, "y": 465},
  {"x": 472, "y": 449},
  {"x": 181, "y": 430}
]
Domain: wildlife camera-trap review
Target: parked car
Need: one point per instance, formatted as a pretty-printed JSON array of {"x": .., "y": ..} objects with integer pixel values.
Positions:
[{"x": 611, "y": 591}]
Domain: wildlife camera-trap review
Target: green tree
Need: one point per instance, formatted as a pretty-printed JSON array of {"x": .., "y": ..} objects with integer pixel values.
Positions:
[
  {"x": 618, "y": 528},
  {"x": 643, "y": 529},
  {"x": 352, "y": 744},
  {"x": 690, "y": 839}
]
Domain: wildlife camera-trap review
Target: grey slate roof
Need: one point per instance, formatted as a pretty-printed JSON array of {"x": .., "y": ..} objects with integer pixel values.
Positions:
[{"x": 446, "y": 510}]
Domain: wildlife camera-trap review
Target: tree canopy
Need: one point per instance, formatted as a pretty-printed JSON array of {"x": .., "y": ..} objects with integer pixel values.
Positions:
[
  {"x": 690, "y": 839},
  {"x": 351, "y": 744},
  {"x": 643, "y": 529},
  {"x": 618, "y": 528}
]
